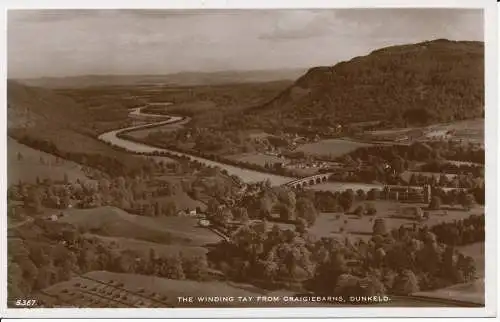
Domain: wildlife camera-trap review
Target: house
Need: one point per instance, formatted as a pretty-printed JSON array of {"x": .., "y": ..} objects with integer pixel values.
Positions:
[{"x": 53, "y": 217}]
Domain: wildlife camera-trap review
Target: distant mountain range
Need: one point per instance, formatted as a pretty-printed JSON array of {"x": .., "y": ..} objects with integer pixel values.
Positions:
[
  {"x": 178, "y": 79},
  {"x": 432, "y": 81}
]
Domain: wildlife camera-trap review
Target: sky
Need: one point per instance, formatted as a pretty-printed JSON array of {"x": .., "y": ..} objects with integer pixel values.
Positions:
[{"x": 58, "y": 43}]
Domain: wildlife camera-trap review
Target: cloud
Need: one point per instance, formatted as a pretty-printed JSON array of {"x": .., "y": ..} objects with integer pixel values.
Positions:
[
  {"x": 300, "y": 24},
  {"x": 72, "y": 42}
]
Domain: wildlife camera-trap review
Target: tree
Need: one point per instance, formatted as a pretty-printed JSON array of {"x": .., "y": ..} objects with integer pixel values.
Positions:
[
  {"x": 195, "y": 267},
  {"x": 373, "y": 194},
  {"x": 158, "y": 209},
  {"x": 467, "y": 201},
  {"x": 361, "y": 194},
  {"x": 346, "y": 199},
  {"x": 265, "y": 205},
  {"x": 19, "y": 156},
  {"x": 222, "y": 216},
  {"x": 301, "y": 226},
  {"x": 405, "y": 283},
  {"x": 34, "y": 199},
  {"x": 379, "y": 227},
  {"x": 435, "y": 203},
  {"x": 306, "y": 210},
  {"x": 359, "y": 211},
  {"x": 370, "y": 209},
  {"x": 172, "y": 268},
  {"x": 241, "y": 214}
]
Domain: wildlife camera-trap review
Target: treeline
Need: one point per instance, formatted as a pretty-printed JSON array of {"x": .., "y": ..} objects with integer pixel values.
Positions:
[
  {"x": 213, "y": 157},
  {"x": 461, "y": 232},
  {"x": 448, "y": 167},
  {"x": 467, "y": 181},
  {"x": 427, "y": 152},
  {"x": 51, "y": 252}
]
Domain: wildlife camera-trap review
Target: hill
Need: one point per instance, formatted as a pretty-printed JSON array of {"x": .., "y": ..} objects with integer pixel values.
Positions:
[
  {"x": 415, "y": 84},
  {"x": 114, "y": 222},
  {"x": 177, "y": 79},
  {"x": 56, "y": 124}
]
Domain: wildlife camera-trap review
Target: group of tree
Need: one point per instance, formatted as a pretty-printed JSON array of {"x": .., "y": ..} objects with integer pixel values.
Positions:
[
  {"x": 464, "y": 198},
  {"x": 461, "y": 232},
  {"x": 400, "y": 261},
  {"x": 281, "y": 204},
  {"x": 50, "y": 252}
]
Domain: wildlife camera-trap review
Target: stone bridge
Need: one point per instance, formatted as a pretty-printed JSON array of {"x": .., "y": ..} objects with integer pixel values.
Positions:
[{"x": 309, "y": 181}]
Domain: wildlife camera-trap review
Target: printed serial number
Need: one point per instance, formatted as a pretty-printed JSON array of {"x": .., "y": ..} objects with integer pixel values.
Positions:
[{"x": 25, "y": 302}]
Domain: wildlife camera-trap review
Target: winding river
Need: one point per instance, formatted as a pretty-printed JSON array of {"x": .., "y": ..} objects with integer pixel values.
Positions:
[{"x": 112, "y": 137}]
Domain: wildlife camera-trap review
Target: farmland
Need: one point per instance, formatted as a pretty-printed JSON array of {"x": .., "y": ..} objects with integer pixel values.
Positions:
[
  {"x": 331, "y": 224},
  {"x": 331, "y": 147}
]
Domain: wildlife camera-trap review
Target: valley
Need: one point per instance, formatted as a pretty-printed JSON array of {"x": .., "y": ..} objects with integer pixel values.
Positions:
[{"x": 157, "y": 191}]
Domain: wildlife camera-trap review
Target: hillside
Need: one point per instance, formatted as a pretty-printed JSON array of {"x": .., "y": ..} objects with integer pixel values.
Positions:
[
  {"x": 114, "y": 222},
  {"x": 428, "y": 82},
  {"x": 27, "y": 164},
  {"x": 55, "y": 124},
  {"x": 36, "y": 107}
]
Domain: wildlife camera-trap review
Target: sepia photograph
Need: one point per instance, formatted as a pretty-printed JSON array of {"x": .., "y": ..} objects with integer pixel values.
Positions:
[{"x": 322, "y": 158}]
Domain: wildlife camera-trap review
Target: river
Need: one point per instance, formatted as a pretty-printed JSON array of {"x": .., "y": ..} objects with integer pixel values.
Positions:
[{"x": 246, "y": 175}]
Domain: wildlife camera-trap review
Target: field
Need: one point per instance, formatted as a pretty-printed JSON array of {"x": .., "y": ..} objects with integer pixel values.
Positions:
[
  {"x": 468, "y": 130},
  {"x": 141, "y": 134},
  {"x": 30, "y": 166},
  {"x": 331, "y": 147},
  {"x": 182, "y": 201},
  {"x": 110, "y": 221},
  {"x": 327, "y": 224}
]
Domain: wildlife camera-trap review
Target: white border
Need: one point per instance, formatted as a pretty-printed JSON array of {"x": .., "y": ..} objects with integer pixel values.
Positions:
[{"x": 490, "y": 15}]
